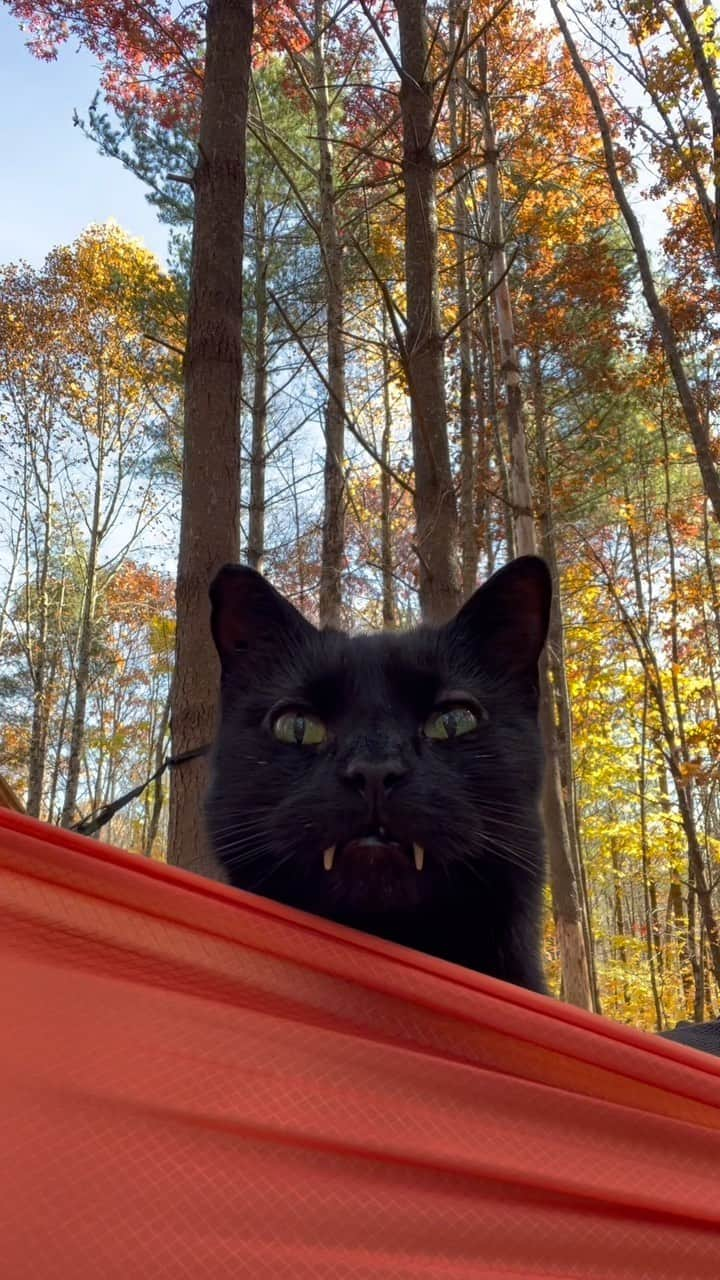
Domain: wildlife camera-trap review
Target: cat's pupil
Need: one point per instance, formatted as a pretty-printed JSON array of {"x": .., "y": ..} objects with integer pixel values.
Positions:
[
  {"x": 299, "y": 729},
  {"x": 450, "y": 720}
]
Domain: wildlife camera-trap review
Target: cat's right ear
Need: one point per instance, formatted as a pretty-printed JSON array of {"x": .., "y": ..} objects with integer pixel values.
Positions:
[
  {"x": 252, "y": 624},
  {"x": 506, "y": 620}
]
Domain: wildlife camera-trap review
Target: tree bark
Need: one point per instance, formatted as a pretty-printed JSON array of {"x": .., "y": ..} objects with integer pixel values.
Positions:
[
  {"x": 695, "y": 950},
  {"x": 619, "y": 945},
  {"x": 567, "y": 907},
  {"x": 564, "y": 878},
  {"x": 210, "y": 517},
  {"x": 695, "y": 422},
  {"x": 85, "y": 638},
  {"x": 522, "y": 499},
  {"x": 333, "y": 530},
  {"x": 158, "y": 789},
  {"x": 38, "y": 650},
  {"x": 557, "y": 689},
  {"x": 434, "y": 498},
  {"x": 386, "y": 546},
  {"x": 469, "y": 548},
  {"x": 494, "y": 416},
  {"x": 680, "y": 926},
  {"x": 258, "y": 448},
  {"x": 645, "y": 853},
  {"x": 483, "y": 521}
]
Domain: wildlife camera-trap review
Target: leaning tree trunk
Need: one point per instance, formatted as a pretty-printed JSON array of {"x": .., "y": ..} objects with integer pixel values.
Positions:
[
  {"x": 333, "y": 530},
  {"x": 210, "y": 516},
  {"x": 435, "y": 508},
  {"x": 564, "y": 880}
]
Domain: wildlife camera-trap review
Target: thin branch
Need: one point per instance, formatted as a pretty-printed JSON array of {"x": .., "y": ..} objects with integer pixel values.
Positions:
[
  {"x": 483, "y": 298},
  {"x": 162, "y": 342},
  {"x": 350, "y": 424}
]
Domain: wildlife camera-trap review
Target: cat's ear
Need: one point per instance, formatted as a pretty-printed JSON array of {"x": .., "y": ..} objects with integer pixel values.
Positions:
[
  {"x": 506, "y": 619},
  {"x": 252, "y": 624}
]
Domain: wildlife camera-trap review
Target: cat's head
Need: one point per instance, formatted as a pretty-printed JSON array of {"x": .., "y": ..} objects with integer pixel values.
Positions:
[{"x": 372, "y": 777}]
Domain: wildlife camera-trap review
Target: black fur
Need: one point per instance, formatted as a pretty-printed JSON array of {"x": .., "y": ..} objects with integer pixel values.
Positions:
[{"x": 472, "y": 802}]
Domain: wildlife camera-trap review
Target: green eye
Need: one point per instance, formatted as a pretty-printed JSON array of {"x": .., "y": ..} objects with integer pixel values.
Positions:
[
  {"x": 299, "y": 728},
  {"x": 452, "y": 723}
]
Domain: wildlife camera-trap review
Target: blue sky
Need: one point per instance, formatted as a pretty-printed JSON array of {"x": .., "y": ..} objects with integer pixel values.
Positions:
[{"x": 53, "y": 182}]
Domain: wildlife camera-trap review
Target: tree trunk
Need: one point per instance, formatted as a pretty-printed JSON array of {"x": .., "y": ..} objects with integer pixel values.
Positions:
[
  {"x": 210, "y": 517},
  {"x": 521, "y": 489},
  {"x": 695, "y": 949},
  {"x": 54, "y": 787},
  {"x": 469, "y": 549},
  {"x": 483, "y": 521},
  {"x": 258, "y": 448},
  {"x": 386, "y": 547},
  {"x": 557, "y": 687},
  {"x": 619, "y": 946},
  {"x": 567, "y": 907},
  {"x": 642, "y": 782},
  {"x": 564, "y": 877},
  {"x": 695, "y": 423},
  {"x": 84, "y": 643},
  {"x": 39, "y": 662},
  {"x": 157, "y": 797},
  {"x": 680, "y": 925},
  {"x": 434, "y": 498},
  {"x": 333, "y": 530},
  {"x": 494, "y": 416}
]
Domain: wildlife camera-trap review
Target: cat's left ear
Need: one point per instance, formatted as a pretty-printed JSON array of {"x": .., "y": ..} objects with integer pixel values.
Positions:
[{"x": 506, "y": 620}]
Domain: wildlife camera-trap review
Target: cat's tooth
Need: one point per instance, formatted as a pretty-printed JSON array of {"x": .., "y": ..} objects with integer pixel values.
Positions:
[
  {"x": 419, "y": 855},
  {"x": 329, "y": 857}
]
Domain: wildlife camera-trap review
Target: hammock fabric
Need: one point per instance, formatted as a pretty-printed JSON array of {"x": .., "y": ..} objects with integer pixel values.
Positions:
[{"x": 196, "y": 1084}]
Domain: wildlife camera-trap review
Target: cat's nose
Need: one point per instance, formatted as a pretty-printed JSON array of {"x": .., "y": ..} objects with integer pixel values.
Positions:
[{"x": 375, "y": 779}]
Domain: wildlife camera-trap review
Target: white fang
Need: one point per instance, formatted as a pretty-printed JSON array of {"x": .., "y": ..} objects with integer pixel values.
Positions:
[
  {"x": 419, "y": 855},
  {"x": 329, "y": 858}
]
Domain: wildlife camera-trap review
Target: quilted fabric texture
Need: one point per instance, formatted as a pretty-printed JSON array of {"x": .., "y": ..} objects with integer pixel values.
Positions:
[{"x": 196, "y": 1084}]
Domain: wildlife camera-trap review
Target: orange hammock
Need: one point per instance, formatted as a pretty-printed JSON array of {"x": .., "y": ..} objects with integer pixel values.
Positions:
[{"x": 198, "y": 1085}]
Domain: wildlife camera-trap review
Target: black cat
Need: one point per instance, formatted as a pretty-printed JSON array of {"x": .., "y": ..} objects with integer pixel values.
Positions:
[{"x": 388, "y": 781}]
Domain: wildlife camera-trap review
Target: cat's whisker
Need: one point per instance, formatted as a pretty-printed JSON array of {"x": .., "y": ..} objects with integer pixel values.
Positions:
[
  {"x": 243, "y": 833},
  {"x": 275, "y": 867},
  {"x": 502, "y": 806},
  {"x": 489, "y": 844},
  {"x": 244, "y": 851},
  {"x": 519, "y": 858},
  {"x": 501, "y": 821}
]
